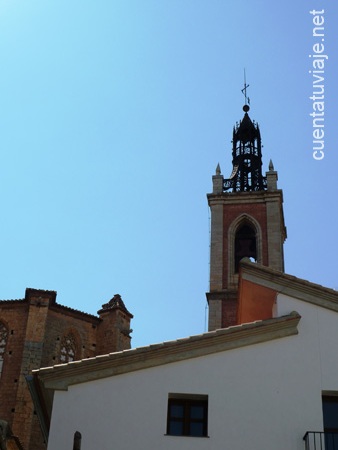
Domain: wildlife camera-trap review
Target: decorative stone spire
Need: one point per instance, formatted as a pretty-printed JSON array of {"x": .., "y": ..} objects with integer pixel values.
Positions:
[
  {"x": 271, "y": 177},
  {"x": 218, "y": 181}
]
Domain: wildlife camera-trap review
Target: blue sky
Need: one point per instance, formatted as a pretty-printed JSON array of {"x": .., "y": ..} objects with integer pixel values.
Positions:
[{"x": 113, "y": 117}]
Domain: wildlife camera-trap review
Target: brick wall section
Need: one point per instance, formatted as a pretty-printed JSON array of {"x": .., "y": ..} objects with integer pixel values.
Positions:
[
  {"x": 61, "y": 322},
  {"x": 38, "y": 302},
  {"x": 114, "y": 330},
  {"x": 229, "y": 312},
  {"x": 36, "y": 326},
  {"x": 36, "y": 440},
  {"x": 14, "y": 317}
]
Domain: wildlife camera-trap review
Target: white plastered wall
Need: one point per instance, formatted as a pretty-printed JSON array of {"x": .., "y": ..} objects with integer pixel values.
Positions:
[{"x": 261, "y": 396}]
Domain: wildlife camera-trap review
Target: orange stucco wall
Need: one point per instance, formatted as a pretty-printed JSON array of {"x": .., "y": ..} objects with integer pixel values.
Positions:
[{"x": 255, "y": 302}]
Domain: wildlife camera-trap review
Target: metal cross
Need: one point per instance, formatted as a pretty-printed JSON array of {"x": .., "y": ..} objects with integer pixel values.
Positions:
[{"x": 247, "y": 99}]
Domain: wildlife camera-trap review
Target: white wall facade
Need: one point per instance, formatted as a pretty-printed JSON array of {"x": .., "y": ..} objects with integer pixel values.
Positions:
[{"x": 263, "y": 396}]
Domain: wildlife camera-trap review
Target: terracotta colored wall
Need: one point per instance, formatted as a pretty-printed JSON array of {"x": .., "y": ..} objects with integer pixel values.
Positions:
[{"x": 255, "y": 302}]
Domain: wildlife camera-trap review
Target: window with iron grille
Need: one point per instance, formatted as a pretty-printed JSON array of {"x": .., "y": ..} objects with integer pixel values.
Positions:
[{"x": 187, "y": 415}]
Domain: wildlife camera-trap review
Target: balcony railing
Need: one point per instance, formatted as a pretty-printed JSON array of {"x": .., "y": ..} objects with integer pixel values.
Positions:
[{"x": 321, "y": 440}]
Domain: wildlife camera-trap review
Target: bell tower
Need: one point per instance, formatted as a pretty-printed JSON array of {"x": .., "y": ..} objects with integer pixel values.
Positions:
[{"x": 247, "y": 220}]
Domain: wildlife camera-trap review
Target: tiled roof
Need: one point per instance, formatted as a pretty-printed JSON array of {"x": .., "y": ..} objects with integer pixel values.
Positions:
[{"x": 63, "y": 375}]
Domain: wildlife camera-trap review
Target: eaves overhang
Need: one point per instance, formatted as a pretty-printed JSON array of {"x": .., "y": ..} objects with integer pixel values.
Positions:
[{"x": 60, "y": 377}]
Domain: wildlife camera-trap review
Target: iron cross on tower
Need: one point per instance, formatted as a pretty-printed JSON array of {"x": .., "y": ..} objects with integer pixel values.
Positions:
[{"x": 246, "y": 107}]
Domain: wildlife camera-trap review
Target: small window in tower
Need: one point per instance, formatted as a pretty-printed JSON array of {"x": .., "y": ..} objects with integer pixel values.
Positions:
[
  {"x": 187, "y": 415},
  {"x": 3, "y": 341},
  {"x": 68, "y": 348},
  {"x": 245, "y": 245}
]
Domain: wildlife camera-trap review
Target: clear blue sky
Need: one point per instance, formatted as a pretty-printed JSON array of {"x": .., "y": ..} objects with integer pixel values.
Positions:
[{"x": 113, "y": 117}]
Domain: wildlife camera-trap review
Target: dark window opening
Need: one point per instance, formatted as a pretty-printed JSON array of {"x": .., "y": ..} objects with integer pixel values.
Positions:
[
  {"x": 330, "y": 413},
  {"x": 245, "y": 245},
  {"x": 330, "y": 419},
  {"x": 188, "y": 416}
]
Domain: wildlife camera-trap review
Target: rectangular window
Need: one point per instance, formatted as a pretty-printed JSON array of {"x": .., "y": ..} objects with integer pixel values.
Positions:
[
  {"x": 187, "y": 415},
  {"x": 330, "y": 413},
  {"x": 330, "y": 419}
]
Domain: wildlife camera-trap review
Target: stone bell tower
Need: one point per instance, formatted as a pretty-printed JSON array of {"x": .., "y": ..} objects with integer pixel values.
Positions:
[{"x": 246, "y": 221}]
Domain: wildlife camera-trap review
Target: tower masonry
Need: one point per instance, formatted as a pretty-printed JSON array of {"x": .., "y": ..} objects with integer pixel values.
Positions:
[{"x": 247, "y": 220}]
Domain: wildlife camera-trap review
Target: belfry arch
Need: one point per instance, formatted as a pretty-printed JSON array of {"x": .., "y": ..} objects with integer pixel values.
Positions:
[{"x": 245, "y": 241}]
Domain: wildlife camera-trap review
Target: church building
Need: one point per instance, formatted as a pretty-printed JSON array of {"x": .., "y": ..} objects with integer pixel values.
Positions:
[
  {"x": 263, "y": 376},
  {"x": 35, "y": 332}
]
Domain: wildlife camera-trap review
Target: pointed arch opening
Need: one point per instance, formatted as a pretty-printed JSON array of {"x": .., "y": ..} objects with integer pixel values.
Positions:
[
  {"x": 245, "y": 244},
  {"x": 244, "y": 240}
]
